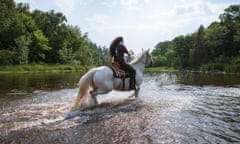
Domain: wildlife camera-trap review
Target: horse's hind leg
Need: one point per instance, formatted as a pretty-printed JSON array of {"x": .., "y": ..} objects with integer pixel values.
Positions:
[
  {"x": 97, "y": 91},
  {"x": 93, "y": 95}
]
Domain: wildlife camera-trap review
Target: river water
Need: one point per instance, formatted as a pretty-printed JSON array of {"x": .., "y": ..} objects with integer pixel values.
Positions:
[{"x": 173, "y": 107}]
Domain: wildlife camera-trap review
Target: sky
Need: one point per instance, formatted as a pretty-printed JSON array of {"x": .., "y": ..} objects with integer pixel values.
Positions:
[{"x": 142, "y": 23}]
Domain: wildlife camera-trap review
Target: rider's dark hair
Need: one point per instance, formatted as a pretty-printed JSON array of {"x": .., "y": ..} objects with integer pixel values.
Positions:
[{"x": 114, "y": 44}]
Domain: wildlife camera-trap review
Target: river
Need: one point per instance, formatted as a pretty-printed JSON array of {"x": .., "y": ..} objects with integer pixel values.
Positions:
[{"x": 173, "y": 107}]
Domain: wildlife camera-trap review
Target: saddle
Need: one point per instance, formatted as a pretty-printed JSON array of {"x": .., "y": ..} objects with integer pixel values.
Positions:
[{"x": 118, "y": 72}]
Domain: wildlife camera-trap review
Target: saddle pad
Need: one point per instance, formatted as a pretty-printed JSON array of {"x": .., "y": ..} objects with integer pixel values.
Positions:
[{"x": 118, "y": 72}]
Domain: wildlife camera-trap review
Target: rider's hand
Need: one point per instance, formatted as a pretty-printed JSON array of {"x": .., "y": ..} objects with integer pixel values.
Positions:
[{"x": 130, "y": 53}]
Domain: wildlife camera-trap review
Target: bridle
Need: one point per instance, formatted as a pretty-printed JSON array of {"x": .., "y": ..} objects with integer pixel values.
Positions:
[{"x": 147, "y": 59}]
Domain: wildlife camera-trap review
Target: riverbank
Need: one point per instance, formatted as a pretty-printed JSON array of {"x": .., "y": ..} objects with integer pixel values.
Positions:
[
  {"x": 63, "y": 68},
  {"x": 159, "y": 69},
  {"x": 171, "y": 69},
  {"x": 66, "y": 68},
  {"x": 41, "y": 68}
]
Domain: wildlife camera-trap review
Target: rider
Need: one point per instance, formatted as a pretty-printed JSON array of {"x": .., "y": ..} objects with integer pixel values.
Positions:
[{"x": 117, "y": 50}]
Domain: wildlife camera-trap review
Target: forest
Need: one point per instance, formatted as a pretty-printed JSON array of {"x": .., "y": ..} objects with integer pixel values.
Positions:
[
  {"x": 37, "y": 37},
  {"x": 215, "y": 48}
]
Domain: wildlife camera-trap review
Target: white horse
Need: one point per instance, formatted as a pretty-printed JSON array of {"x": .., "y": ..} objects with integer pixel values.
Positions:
[{"x": 102, "y": 80}]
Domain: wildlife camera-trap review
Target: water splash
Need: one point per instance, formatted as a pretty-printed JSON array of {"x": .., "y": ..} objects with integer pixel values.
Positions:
[{"x": 168, "y": 110}]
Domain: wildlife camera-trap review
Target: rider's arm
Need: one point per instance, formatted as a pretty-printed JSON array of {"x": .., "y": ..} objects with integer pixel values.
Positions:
[
  {"x": 129, "y": 53},
  {"x": 125, "y": 49}
]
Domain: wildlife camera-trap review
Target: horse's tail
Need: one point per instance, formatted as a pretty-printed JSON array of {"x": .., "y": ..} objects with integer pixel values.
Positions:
[{"x": 84, "y": 83}]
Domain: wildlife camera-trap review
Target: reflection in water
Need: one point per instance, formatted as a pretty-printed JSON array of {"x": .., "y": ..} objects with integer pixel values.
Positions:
[
  {"x": 172, "y": 108},
  {"x": 19, "y": 85}
]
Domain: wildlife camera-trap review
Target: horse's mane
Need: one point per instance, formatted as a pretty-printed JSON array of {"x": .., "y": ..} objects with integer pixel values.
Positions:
[{"x": 137, "y": 59}]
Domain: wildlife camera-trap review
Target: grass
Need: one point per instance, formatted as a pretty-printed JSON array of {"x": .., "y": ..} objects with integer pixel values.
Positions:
[
  {"x": 60, "y": 68},
  {"x": 41, "y": 68},
  {"x": 228, "y": 68},
  {"x": 159, "y": 69}
]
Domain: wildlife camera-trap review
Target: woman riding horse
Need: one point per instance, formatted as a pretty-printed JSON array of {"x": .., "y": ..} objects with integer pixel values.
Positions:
[
  {"x": 101, "y": 80},
  {"x": 117, "y": 51}
]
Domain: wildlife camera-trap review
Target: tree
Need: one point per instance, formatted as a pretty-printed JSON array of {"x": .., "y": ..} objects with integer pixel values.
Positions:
[
  {"x": 199, "y": 52},
  {"x": 181, "y": 46},
  {"x": 7, "y": 14},
  {"x": 21, "y": 51},
  {"x": 162, "y": 54},
  {"x": 216, "y": 47},
  {"x": 231, "y": 19},
  {"x": 39, "y": 47},
  {"x": 215, "y": 36},
  {"x": 53, "y": 27},
  {"x": 43, "y": 37}
]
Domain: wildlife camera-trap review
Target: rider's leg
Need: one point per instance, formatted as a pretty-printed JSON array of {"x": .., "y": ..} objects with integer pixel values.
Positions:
[
  {"x": 132, "y": 72},
  {"x": 132, "y": 81}
]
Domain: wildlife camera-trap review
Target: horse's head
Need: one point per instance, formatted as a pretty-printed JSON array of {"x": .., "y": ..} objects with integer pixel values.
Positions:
[
  {"x": 148, "y": 57},
  {"x": 145, "y": 58}
]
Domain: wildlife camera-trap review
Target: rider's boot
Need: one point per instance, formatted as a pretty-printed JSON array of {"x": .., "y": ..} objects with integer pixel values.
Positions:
[{"x": 132, "y": 84}]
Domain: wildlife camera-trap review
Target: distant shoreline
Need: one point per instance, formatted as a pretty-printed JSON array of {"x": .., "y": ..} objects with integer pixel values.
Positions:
[
  {"x": 34, "y": 68},
  {"x": 171, "y": 69},
  {"x": 31, "y": 68}
]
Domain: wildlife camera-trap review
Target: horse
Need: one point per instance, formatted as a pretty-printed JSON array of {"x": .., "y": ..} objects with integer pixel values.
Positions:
[{"x": 102, "y": 81}]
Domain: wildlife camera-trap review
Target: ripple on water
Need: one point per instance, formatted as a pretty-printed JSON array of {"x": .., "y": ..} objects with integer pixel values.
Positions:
[{"x": 165, "y": 112}]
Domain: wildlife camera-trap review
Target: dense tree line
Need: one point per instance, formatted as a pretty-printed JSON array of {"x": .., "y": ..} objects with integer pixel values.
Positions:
[
  {"x": 216, "y": 47},
  {"x": 43, "y": 37}
]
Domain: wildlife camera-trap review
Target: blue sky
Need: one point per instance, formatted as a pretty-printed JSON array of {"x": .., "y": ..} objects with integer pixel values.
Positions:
[{"x": 142, "y": 23}]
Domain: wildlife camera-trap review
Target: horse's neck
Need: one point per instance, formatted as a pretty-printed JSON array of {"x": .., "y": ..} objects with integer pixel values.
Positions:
[
  {"x": 139, "y": 67},
  {"x": 138, "y": 64}
]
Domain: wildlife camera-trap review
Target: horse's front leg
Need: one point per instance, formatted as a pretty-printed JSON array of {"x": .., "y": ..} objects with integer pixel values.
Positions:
[{"x": 136, "y": 93}]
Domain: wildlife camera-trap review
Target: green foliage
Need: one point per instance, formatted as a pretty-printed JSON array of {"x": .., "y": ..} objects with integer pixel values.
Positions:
[
  {"x": 43, "y": 37},
  {"x": 163, "y": 54},
  {"x": 215, "y": 36},
  {"x": 7, "y": 13},
  {"x": 42, "y": 68},
  {"x": 158, "y": 69},
  {"x": 212, "y": 67},
  {"x": 6, "y": 57},
  {"x": 216, "y": 47},
  {"x": 21, "y": 51},
  {"x": 39, "y": 47},
  {"x": 235, "y": 60},
  {"x": 232, "y": 68}
]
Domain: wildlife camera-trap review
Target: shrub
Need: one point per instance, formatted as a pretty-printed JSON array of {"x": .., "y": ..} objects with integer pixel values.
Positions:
[
  {"x": 6, "y": 57},
  {"x": 234, "y": 68},
  {"x": 212, "y": 67}
]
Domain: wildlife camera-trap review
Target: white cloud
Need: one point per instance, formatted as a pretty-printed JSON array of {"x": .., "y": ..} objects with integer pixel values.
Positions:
[
  {"x": 98, "y": 21},
  {"x": 143, "y": 22},
  {"x": 129, "y": 4},
  {"x": 109, "y": 3},
  {"x": 66, "y": 6}
]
